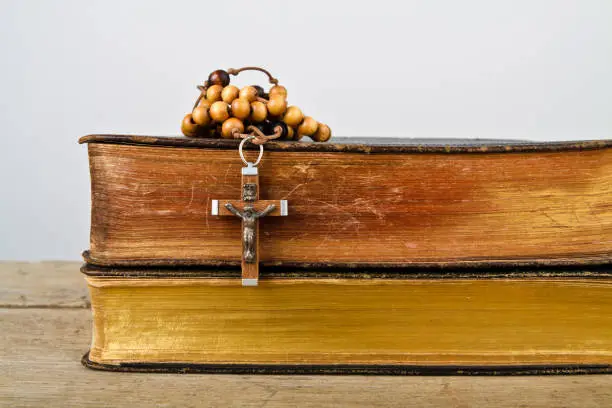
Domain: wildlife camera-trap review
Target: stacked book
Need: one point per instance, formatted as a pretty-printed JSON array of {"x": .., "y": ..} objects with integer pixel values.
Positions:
[{"x": 395, "y": 257}]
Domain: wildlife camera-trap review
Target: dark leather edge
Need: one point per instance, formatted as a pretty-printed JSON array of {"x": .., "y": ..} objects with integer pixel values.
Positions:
[
  {"x": 351, "y": 369},
  {"x": 559, "y": 261},
  {"x": 409, "y": 147},
  {"x": 592, "y": 272}
]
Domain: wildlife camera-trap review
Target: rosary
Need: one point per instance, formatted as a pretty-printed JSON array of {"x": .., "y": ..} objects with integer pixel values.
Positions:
[{"x": 224, "y": 110}]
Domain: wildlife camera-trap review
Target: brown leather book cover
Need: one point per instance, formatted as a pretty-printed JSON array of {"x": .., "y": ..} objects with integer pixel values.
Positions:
[{"x": 354, "y": 203}]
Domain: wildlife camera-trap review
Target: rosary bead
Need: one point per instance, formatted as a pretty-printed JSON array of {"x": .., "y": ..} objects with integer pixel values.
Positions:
[
  {"x": 241, "y": 108},
  {"x": 293, "y": 116},
  {"x": 278, "y": 90},
  {"x": 218, "y": 111},
  {"x": 308, "y": 127},
  {"x": 277, "y": 105},
  {"x": 230, "y": 126},
  {"x": 260, "y": 90},
  {"x": 200, "y": 116},
  {"x": 213, "y": 93},
  {"x": 217, "y": 131},
  {"x": 290, "y": 133},
  {"x": 249, "y": 93},
  {"x": 229, "y": 93},
  {"x": 219, "y": 77},
  {"x": 188, "y": 126},
  {"x": 258, "y": 111},
  {"x": 323, "y": 133},
  {"x": 205, "y": 103},
  {"x": 211, "y": 133}
]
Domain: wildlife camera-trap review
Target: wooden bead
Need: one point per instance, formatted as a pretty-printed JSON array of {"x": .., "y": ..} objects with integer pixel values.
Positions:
[
  {"x": 290, "y": 133},
  {"x": 259, "y": 112},
  {"x": 323, "y": 133},
  {"x": 211, "y": 132},
  {"x": 293, "y": 116},
  {"x": 249, "y": 93},
  {"x": 219, "y": 77},
  {"x": 189, "y": 127},
  {"x": 277, "y": 105},
  {"x": 205, "y": 132},
  {"x": 230, "y": 126},
  {"x": 308, "y": 127},
  {"x": 218, "y": 111},
  {"x": 205, "y": 103},
  {"x": 241, "y": 108},
  {"x": 260, "y": 90},
  {"x": 213, "y": 93},
  {"x": 229, "y": 93},
  {"x": 200, "y": 116},
  {"x": 278, "y": 90}
]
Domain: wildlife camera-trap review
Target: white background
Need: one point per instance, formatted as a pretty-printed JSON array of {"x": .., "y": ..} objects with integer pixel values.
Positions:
[{"x": 539, "y": 70}]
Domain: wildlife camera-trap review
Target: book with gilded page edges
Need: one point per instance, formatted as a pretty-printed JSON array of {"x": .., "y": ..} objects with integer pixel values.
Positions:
[{"x": 393, "y": 256}]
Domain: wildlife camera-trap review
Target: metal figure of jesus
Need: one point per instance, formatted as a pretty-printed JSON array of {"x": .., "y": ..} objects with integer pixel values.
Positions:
[{"x": 249, "y": 218}]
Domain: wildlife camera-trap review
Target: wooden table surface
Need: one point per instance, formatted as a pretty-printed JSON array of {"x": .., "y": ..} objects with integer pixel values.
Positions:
[{"x": 45, "y": 329}]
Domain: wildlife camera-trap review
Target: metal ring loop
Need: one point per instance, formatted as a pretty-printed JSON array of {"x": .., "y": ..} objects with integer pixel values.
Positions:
[{"x": 261, "y": 150}]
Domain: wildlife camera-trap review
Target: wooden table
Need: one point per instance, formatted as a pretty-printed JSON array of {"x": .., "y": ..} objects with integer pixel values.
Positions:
[{"x": 45, "y": 329}]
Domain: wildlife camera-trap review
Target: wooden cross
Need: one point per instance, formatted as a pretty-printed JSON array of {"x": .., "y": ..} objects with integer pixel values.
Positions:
[{"x": 250, "y": 208}]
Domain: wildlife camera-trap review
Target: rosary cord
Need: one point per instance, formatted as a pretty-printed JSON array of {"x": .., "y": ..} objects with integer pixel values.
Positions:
[
  {"x": 235, "y": 72},
  {"x": 202, "y": 95},
  {"x": 259, "y": 137}
]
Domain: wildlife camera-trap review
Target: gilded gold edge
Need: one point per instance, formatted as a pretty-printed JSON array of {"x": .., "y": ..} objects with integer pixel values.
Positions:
[
  {"x": 411, "y": 358},
  {"x": 397, "y": 359}
]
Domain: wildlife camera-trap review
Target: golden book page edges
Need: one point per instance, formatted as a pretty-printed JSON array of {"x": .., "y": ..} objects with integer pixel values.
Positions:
[{"x": 352, "y": 321}]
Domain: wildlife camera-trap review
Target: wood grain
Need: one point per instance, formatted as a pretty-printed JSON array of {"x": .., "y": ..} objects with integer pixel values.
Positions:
[
  {"x": 42, "y": 284},
  {"x": 353, "y": 321},
  {"x": 151, "y": 204},
  {"x": 40, "y": 350}
]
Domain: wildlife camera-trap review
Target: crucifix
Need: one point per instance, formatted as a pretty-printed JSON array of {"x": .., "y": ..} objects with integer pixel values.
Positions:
[{"x": 250, "y": 209}]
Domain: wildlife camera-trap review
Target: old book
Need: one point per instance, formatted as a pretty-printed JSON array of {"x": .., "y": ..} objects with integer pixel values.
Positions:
[
  {"x": 385, "y": 203},
  {"x": 390, "y": 256},
  {"x": 194, "y": 320}
]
